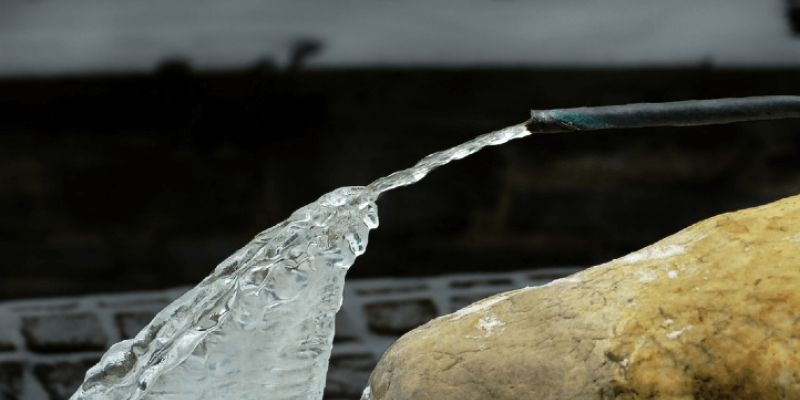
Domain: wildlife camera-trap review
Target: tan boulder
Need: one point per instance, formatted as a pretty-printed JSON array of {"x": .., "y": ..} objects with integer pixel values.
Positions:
[{"x": 711, "y": 312}]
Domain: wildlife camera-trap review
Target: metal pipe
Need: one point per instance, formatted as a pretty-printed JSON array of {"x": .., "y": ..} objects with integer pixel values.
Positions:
[{"x": 679, "y": 113}]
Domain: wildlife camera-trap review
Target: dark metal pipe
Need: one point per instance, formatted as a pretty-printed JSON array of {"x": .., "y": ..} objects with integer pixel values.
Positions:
[{"x": 679, "y": 113}]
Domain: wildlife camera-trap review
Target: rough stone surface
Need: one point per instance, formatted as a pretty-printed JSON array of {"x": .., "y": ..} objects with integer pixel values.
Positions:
[
  {"x": 63, "y": 333},
  {"x": 708, "y": 313},
  {"x": 61, "y": 380}
]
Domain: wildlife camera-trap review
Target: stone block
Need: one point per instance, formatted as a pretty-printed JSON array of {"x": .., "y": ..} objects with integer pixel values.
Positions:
[
  {"x": 63, "y": 333},
  {"x": 710, "y": 312},
  {"x": 61, "y": 380},
  {"x": 398, "y": 317},
  {"x": 130, "y": 323},
  {"x": 10, "y": 380}
]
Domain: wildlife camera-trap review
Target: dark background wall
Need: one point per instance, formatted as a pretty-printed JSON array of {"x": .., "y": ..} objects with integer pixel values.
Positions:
[{"x": 136, "y": 182}]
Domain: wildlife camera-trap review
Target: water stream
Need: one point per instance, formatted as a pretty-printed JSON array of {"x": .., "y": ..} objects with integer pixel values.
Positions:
[{"x": 261, "y": 325}]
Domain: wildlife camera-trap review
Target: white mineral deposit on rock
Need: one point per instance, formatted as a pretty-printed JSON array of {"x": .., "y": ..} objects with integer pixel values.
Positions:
[
  {"x": 367, "y": 393},
  {"x": 672, "y": 274},
  {"x": 488, "y": 324},
  {"x": 262, "y": 324},
  {"x": 646, "y": 276},
  {"x": 652, "y": 252},
  {"x": 674, "y": 334}
]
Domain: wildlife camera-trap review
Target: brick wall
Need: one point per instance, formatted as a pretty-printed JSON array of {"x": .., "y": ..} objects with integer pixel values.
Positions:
[{"x": 46, "y": 345}]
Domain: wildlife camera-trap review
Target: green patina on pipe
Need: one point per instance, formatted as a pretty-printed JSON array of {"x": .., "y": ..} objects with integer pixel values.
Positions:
[{"x": 679, "y": 113}]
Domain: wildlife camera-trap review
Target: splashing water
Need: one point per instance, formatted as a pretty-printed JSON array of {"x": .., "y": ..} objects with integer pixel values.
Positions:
[{"x": 262, "y": 324}]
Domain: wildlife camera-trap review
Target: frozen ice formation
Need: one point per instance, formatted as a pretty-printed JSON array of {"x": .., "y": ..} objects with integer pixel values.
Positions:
[{"x": 261, "y": 325}]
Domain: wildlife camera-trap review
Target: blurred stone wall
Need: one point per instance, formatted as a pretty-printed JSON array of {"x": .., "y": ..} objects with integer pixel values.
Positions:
[
  {"x": 47, "y": 345},
  {"x": 144, "y": 182}
]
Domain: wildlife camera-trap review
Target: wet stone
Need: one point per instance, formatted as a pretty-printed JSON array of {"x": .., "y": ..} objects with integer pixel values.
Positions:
[
  {"x": 61, "y": 380},
  {"x": 399, "y": 317},
  {"x": 63, "y": 333},
  {"x": 10, "y": 380},
  {"x": 130, "y": 323}
]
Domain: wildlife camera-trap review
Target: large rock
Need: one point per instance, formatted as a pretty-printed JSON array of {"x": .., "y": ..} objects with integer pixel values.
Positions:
[{"x": 709, "y": 313}]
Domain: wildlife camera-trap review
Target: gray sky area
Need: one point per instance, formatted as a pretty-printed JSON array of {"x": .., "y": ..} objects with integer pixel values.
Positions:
[{"x": 86, "y": 36}]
